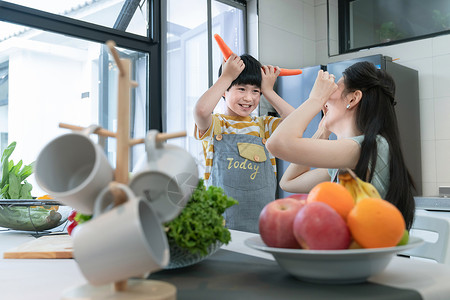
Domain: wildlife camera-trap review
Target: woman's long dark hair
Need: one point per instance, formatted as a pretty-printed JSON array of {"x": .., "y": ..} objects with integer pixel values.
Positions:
[{"x": 375, "y": 115}]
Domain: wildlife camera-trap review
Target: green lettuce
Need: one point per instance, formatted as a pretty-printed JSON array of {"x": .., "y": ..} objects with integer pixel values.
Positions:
[{"x": 201, "y": 223}]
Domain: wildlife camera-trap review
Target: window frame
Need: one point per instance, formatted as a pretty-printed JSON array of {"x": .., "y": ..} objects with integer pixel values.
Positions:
[
  {"x": 240, "y": 4},
  {"x": 25, "y": 16},
  {"x": 184, "y": 116},
  {"x": 4, "y": 66}
]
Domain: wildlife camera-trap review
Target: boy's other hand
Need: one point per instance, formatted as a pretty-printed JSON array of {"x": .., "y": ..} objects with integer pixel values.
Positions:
[
  {"x": 232, "y": 67},
  {"x": 269, "y": 75}
]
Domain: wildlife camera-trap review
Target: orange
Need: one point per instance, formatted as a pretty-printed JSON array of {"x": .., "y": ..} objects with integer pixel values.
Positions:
[
  {"x": 376, "y": 223},
  {"x": 333, "y": 194},
  {"x": 47, "y": 197}
]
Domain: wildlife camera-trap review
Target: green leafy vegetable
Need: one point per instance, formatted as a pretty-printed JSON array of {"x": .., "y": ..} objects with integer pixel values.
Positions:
[
  {"x": 29, "y": 218},
  {"x": 13, "y": 184},
  {"x": 81, "y": 218},
  {"x": 201, "y": 223}
]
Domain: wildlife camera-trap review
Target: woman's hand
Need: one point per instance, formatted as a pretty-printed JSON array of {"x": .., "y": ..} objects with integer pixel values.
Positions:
[
  {"x": 324, "y": 87},
  {"x": 322, "y": 132},
  {"x": 269, "y": 75},
  {"x": 232, "y": 67}
]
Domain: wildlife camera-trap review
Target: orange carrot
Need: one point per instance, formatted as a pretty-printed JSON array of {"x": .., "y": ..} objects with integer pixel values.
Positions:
[
  {"x": 289, "y": 72},
  {"x": 226, "y": 51}
]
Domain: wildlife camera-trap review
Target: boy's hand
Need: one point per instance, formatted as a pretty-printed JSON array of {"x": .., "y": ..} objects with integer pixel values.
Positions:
[
  {"x": 232, "y": 67},
  {"x": 324, "y": 87},
  {"x": 269, "y": 75}
]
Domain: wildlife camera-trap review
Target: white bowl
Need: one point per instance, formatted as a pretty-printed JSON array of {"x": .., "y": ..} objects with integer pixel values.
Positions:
[{"x": 332, "y": 266}]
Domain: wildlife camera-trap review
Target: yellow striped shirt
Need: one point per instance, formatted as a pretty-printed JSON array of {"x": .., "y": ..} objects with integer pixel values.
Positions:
[{"x": 235, "y": 125}]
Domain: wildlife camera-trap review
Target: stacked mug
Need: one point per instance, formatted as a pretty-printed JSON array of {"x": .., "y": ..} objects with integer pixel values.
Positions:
[{"x": 122, "y": 241}]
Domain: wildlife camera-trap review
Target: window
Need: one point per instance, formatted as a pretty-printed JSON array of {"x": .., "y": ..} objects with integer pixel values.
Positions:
[
  {"x": 54, "y": 69},
  {"x": 192, "y": 58},
  {"x": 126, "y": 15},
  {"x": 369, "y": 23},
  {"x": 4, "y": 70}
]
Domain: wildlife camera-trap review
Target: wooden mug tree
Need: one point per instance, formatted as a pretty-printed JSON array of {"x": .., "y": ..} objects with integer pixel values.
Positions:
[{"x": 137, "y": 289}]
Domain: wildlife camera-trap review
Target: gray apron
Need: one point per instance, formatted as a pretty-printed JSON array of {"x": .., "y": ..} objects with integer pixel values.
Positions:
[{"x": 242, "y": 167}]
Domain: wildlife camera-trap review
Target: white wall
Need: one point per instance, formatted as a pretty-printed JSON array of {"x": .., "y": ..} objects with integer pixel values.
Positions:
[
  {"x": 297, "y": 24},
  {"x": 287, "y": 35}
]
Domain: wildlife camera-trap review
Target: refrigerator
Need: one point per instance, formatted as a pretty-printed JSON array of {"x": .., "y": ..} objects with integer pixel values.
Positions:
[{"x": 296, "y": 89}]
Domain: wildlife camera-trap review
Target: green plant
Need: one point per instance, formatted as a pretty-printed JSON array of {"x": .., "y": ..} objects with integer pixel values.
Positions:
[
  {"x": 201, "y": 223},
  {"x": 389, "y": 32},
  {"x": 13, "y": 184}
]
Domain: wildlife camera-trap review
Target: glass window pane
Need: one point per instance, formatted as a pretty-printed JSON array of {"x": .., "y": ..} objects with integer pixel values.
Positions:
[
  {"x": 126, "y": 15},
  {"x": 187, "y": 61},
  {"x": 228, "y": 22},
  {"x": 54, "y": 79},
  {"x": 186, "y": 67},
  {"x": 383, "y": 21},
  {"x": 4, "y": 80}
]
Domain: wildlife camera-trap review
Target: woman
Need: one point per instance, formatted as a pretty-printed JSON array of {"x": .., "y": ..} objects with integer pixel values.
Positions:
[{"x": 359, "y": 109}]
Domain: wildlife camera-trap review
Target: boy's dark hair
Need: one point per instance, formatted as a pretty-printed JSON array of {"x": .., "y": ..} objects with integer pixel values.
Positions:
[{"x": 251, "y": 73}]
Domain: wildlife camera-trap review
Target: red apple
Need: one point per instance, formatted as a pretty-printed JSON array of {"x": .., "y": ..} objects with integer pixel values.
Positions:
[
  {"x": 276, "y": 222},
  {"x": 317, "y": 226},
  {"x": 299, "y": 196}
]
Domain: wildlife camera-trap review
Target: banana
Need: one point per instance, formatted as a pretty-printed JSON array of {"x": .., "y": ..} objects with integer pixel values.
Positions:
[
  {"x": 347, "y": 181},
  {"x": 369, "y": 189},
  {"x": 358, "y": 188}
]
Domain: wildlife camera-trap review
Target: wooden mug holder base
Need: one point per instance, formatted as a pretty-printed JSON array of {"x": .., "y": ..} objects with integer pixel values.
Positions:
[{"x": 137, "y": 289}]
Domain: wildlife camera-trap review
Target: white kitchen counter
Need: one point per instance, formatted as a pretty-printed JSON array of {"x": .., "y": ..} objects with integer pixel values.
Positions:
[{"x": 47, "y": 278}]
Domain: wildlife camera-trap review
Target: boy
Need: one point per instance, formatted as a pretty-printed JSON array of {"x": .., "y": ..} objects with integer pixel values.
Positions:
[{"x": 233, "y": 143}]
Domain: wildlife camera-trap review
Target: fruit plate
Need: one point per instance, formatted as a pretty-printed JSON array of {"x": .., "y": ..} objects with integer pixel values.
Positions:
[{"x": 332, "y": 266}]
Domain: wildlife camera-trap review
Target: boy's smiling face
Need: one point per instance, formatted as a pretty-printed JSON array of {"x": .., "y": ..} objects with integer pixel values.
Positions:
[{"x": 242, "y": 99}]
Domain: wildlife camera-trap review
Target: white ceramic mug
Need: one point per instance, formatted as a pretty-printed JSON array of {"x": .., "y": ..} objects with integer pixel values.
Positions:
[
  {"x": 73, "y": 169},
  {"x": 166, "y": 177},
  {"x": 120, "y": 242}
]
